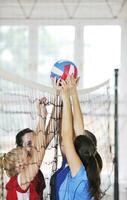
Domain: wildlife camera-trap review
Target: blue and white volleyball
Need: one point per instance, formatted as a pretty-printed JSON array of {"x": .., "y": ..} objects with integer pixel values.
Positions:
[{"x": 63, "y": 68}]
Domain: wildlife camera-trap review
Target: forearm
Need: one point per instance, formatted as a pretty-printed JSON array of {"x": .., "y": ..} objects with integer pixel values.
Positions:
[
  {"x": 67, "y": 129},
  {"x": 55, "y": 120},
  {"x": 77, "y": 114},
  {"x": 40, "y": 138},
  {"x": 67, "y": 137},
  {"x": 40, "y": 122},
  {"x": 50, "y": 127},
  {"x": 33, "y": 165},
  {"x": 36, "y": 160}
]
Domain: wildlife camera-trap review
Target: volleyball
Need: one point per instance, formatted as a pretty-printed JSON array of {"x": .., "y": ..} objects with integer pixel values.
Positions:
[{"x": 63, "y": 68}]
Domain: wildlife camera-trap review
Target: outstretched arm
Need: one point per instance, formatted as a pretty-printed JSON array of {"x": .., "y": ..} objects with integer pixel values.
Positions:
[
  {"x": 55, "y": 118},
  {"x": 67, "y": 132},
  {"x": 38, "y": 149},
  {"x": 54, "y": 121},
  {"x": 77, "y": 114},
  {"x": 40, "y": 136}
]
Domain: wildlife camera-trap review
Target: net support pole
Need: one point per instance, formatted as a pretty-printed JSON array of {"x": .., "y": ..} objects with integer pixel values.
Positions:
[{"x": 116, "y": 164}]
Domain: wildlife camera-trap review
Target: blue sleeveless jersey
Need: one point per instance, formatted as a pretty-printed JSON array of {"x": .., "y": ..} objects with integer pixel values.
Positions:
[
  {"x": 57, "y": 179},
  {"x": 66, "y": 187},
  {"x": 75, "y": 188}
]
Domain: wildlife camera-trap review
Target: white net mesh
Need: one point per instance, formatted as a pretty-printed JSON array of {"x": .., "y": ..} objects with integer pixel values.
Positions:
[
  {"x": 18, "y": 111},
  {"x": 96, "y": 107}
]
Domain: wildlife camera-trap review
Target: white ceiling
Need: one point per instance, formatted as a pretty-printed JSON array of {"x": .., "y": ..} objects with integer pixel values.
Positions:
[{"x": 63, "y": 9}]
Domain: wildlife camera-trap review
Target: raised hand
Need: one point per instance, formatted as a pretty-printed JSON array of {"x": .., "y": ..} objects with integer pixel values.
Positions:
[
  {"x": 41, "y": 107},
  {"x": 56, "y": 85},
  {"x": 72, "y": 83}
]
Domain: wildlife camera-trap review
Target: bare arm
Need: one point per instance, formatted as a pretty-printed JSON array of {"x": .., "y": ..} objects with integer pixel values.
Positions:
[
  {"x": 49, "y": 129},
  {"x": 77, "y": 114},
  {"x": 38, "y": 149},
  {"x": 40, "y": 136},
  {"x": 55, "y": 119},
  {"x": 67, "y": 133}
]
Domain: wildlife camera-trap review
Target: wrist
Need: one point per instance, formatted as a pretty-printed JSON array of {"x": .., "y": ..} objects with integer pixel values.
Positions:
[
  {"x": 73, "y": 92},
  {"x": 41, "y": 116},
  {"x": 56, "y": 91},
  {"x": 65, "y": 94}
]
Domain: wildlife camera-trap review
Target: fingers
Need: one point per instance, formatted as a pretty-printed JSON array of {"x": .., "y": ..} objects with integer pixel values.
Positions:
[
  {"x": 64, "y": 88},
  {"x": 63, "y": 83},
  {"x": 41, "y": 107},
  {"x": 77, "y": 79},
  {"x": 56, "y": 85},
  {"x": 70, "y": 83},
  {"x": 58, "y": 82},
  {"x": 43, "y": 101}
]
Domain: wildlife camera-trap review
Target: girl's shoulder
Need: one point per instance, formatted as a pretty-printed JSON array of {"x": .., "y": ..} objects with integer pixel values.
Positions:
[
  {"x": 12, "y": 182},
  {"x": 81, "y": 174}
]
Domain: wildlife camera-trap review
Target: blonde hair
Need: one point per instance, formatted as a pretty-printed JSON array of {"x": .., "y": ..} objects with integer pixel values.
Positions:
[{"x": 9, "y": 161}]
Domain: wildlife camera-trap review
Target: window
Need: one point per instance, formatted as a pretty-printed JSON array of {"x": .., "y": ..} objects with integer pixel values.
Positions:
[
  {"x": 55, "y": 43},
  {"x": 14, "y": 48},
  {"x": 101, "y": 53}
]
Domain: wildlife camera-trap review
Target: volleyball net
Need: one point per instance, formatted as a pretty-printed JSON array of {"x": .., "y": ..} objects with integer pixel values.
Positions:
[{"x": 18, "y": 98}]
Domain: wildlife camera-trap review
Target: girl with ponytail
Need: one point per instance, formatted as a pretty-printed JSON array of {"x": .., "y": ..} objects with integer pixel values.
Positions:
[
  {"x": 97, "y": 155},
  {"x": 87, "y": 153},
  {"x": 83, "y": 179}
]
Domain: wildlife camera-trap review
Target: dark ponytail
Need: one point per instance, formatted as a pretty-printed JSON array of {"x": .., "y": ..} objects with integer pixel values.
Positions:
[
  {"x": 93, "y": 174},
  {"x": 94, "y": 140},
  {"x": 86, "y": 150},
  {"x": 99, "y": 160}
]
